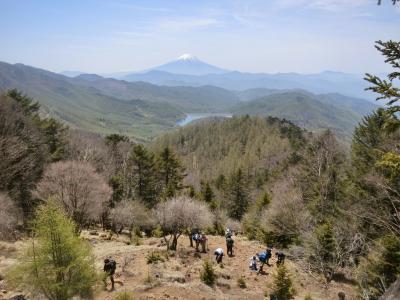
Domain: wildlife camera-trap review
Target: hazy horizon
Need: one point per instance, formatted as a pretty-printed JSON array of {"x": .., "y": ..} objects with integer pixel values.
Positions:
[{"x": 95, "y": 36}]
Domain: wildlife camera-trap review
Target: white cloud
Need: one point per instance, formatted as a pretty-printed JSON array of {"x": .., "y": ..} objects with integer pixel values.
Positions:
[
  {"x": 187, "y": 24},
  {"x": 327, "y": 5}
]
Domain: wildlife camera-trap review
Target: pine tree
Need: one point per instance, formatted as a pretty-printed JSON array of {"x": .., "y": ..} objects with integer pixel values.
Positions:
[
  {"x": 171, "y": 172},
  {"x": 144, "y": 175},
  {"x": 283, "y": 285},
  {"x": 325, "y": 249},
  {"x": 57, "y": 264},
  {"x": 207, "y": 193},
  {"x": 207, "y": 275},
  {"x": 237, "y": 195}
]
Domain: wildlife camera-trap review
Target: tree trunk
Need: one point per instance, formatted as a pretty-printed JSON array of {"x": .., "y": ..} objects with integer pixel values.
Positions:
[
  {"x": 174, "y": 242},
  {"x": 190, "y": 240}
]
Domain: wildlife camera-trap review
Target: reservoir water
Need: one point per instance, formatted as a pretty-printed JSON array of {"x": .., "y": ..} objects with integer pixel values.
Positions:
[{"x": 191, "y": 117}]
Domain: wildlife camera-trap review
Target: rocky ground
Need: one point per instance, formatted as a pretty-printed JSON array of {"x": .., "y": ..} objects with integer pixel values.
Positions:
[{"x": 178, "y": 276}]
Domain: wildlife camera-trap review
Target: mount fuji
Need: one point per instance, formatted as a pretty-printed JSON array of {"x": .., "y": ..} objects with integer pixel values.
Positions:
[{"x": 189, "y": 65}]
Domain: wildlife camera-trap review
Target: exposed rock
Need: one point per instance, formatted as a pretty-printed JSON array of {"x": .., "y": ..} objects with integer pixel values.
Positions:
[{"x": 393, "y": 293}]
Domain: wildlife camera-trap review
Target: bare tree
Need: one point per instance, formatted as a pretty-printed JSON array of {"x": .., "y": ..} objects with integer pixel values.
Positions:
[
  {"x": 383, "y": 207},
  {"x": 286, "y": 215},
  {"x": 82, "y": 192},
  {"x": 9, "y": 215},
  {"x": 131, "y": 214},
  {"x": 179, "y": 214}
]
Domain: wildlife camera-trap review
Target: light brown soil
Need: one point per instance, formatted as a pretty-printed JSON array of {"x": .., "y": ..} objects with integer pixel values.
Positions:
[{"x": 179, "y": 276}]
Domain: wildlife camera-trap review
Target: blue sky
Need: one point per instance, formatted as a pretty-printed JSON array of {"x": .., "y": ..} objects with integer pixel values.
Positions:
[{"x": 270, "y": 36}]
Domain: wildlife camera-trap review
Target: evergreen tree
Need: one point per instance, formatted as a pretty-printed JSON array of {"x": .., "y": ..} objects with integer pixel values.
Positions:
[
  {"x": 324, "y": 249},
  {"x": 237, "y": 195},
  {"x": 283, "y": 286},
  {"x": 263, "y": 201},
  {"x": 207, "y": 192},
  {"x": 54, "y": 137},
  {"x": 386, "y": 88},
  {"x": 144, "y": 175},
  {"x": 207, "y": 275},
  {"x": 57, "y": 264},
  {"x": 53, "y": 131},
  {"x": 368, "y": 138},
  {"x": 171, "y": 172},
  {"x": 23, "y": 151}
]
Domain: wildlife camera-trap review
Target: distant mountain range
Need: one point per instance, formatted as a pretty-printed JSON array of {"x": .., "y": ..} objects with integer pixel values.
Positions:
[
  {"x": 144, "y": 110},
  {"x": 187, "y": 70}
]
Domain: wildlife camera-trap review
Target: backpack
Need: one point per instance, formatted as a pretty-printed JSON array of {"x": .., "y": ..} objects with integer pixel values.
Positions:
[
  {"x": 110, "y": 267},
  {"x": 113, "y": 265},
  {"x": 229, "y": 241},
  {"x": 196, "y": 237},
  {"x": 262, "y": 256}
]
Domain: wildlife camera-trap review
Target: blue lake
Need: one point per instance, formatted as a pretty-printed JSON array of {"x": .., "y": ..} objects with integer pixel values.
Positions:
[{"x": 191, "y": 117}]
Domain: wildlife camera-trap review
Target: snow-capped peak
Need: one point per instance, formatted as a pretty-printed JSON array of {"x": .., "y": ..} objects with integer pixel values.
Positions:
[{"x": 186, "y": 56}]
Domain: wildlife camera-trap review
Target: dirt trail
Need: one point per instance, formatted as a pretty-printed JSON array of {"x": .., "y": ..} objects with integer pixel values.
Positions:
[{"x": 178, "y": 276}]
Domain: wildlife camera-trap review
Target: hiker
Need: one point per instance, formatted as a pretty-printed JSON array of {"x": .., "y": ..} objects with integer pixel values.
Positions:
[
  {"x": 229, "y": 246},
  {"x": 219, "y": 253},
  {"x": 196, "y": 237},
  {"x": 269, "y": 255},
  {"x": 200, "y": 239},
  {"x": 109, "y": 268},
  {"x": 281, "y": 257},
  {"x": 253, "y": 263},
  {"x": 262, "y": 257},
  {"x": 191, "y": 236},
  {"x": 203, "y": 243}
]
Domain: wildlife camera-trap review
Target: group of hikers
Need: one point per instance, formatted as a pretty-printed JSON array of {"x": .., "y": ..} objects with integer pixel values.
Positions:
[
  {"x": 200, "y": 239},
  {"x": 262, "y": 257}
]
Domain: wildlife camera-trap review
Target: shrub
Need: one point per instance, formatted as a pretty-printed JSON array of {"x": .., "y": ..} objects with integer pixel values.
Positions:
[
  {"x": 207, "y": 275},
  {"x": 124, "y": 296},
  {"x": 241, "y": 282},
  {"x": 155, "y": 257},
  {"x": 57, "y": 264},
  {"x": 380, "y": 268}
]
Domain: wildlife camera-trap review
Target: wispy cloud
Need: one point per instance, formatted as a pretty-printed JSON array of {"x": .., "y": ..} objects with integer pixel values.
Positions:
[
  {"x": 187, "y": 24},
  {"x": 326, "y": 5}
]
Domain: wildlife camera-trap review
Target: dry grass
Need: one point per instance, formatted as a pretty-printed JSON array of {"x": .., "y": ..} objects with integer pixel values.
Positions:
[{"x": 178, "y": 277}]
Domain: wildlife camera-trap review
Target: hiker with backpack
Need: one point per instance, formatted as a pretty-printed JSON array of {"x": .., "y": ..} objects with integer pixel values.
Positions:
[
  {"x": 281, "y": 258},
  {"x": 196, "y": 237},
  {"x": 229, "y": 245},
  {"x": 203, "y": 243},
  {"x": 200, "y": 239},
  {"x": 228, "y": 233},
  {"x": 109, "y": 269},
  {"x": 192, "y": 234},
  {"x": 219, "y": 253},
  {"x": 264, "y": 257}
]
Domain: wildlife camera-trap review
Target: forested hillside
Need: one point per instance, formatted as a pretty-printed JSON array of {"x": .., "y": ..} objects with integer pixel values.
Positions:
[
  {"x": 259, "y": 146},
  {"x": 313, "y": 112},
  {"x": 87, "y": 108}
]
